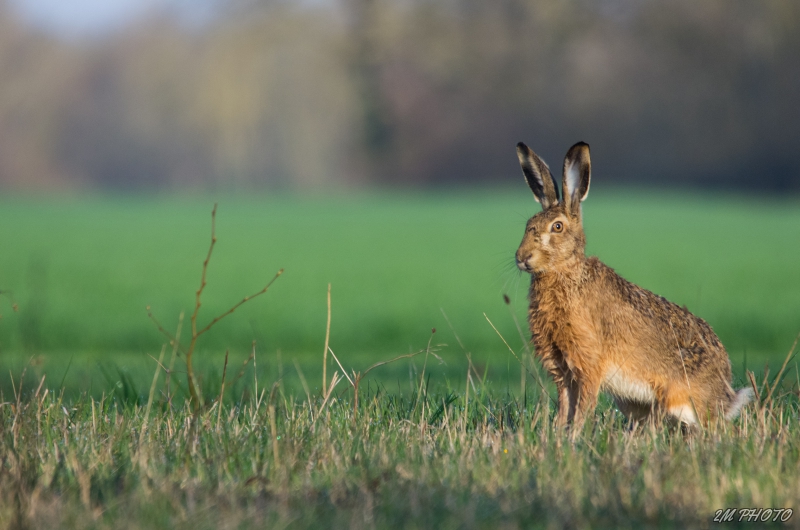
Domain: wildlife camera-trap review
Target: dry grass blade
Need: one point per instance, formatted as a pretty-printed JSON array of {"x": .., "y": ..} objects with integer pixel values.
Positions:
[
  {"x": 536, "y": 376},
  {"x": 342, "y": 367},
  {"x": 159, "y": 366},
  {"x": 335, "y": 380},
  {"x": 752, "y": 378},
  {"x": 525, "y": 343},
  {"x": 778, "y": 377},
  {"x": 222, "y": 389},
  {"x": 302, "y": 379},
  {"x": 255, "y": 375},
  {"x": 175, "y": 348},
  {"x": 327, "y": 342},
  {"x": 242, "y": 369},
  {"x": 274, "y": 431},
  {"x": 406, "y": 356},
  {"x": 173, "y": 341}
]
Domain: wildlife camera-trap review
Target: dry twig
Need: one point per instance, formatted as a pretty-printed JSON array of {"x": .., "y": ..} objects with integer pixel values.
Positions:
[{"x": 197, "y": 333}]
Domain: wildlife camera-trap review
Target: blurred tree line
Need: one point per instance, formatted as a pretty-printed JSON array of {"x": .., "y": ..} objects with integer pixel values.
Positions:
[{"x": 408, "y": 92}]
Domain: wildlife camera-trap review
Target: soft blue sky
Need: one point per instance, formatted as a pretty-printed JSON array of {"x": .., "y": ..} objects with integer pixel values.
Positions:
[
  {"x": 83, "y": 16},
  {"x": 93, "y": 17},
  {"x": 96, "y": 17}
]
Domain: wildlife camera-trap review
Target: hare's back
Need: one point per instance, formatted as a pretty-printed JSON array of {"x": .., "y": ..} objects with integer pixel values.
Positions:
[{"x": 653, "y": 326}]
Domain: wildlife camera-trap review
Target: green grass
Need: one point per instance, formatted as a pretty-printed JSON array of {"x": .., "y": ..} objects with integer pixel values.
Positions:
[
  {"x": 445, "y": 460},
  {"x": 82, "y": 270},
  {"x": 424, "y": 448}
]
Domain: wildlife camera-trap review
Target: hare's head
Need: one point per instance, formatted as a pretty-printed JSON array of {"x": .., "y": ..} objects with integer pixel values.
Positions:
[{"x": 554, "y": 238}]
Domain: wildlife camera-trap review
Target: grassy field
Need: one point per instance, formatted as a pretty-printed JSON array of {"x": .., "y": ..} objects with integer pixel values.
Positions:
[
  {"x": 89, "y": 439},
  {"x": 83, "y": 270},
  {"x": 449, "y": 460}
]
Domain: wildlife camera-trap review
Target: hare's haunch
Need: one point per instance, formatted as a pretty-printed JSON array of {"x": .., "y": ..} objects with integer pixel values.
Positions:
[{"x": 593, "y": 330}]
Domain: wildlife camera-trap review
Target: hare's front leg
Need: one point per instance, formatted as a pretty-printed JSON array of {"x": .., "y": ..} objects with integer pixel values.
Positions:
[
  {"x": 553, "y": 362},
  {"x": 584, "y": 397},
  {"x": 563, "y": 415}
]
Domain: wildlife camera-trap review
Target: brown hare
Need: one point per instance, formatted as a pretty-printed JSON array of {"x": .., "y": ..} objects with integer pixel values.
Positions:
[{"x": 594, "y": 330}]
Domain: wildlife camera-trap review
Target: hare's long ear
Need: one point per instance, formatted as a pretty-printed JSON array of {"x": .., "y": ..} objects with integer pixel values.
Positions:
[
  {"x": 577, "y": 173},
  {"x": 541, "y": 181}
]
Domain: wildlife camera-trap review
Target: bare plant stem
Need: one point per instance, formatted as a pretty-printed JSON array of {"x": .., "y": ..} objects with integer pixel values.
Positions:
[
  {"x": 240, "y": 302},
  {"x": 197, "y": 333},
  {"x": 197, "y": 304}
]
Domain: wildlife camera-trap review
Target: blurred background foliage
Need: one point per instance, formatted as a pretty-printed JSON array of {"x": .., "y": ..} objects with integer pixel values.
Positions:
[{"x": 343, "y": 93}]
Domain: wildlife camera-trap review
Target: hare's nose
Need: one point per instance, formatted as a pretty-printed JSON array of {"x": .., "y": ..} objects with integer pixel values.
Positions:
[{"x": 522, "y": 262}]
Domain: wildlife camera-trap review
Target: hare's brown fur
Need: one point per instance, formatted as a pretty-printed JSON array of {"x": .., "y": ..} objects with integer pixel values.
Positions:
[{"x": 594, "y": 330}]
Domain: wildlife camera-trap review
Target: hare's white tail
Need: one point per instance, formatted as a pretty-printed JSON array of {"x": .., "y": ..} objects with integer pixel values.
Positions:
[{"x": 743, "y": 397}]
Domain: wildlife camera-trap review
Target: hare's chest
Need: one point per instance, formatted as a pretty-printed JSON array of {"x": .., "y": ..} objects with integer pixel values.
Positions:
[
  {"x": 572, "y": 339},
  {"x": 572, "y": 328},
  {"x": 562, "y": 320}
]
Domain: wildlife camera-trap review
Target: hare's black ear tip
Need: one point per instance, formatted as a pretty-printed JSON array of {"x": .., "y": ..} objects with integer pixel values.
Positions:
[
  {"x": 577, "y": 149},
  {"x": 522, "y": 148}
]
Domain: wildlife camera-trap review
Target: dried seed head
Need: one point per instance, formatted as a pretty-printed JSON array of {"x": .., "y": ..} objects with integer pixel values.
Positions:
[{"x": 506, "y": 299}]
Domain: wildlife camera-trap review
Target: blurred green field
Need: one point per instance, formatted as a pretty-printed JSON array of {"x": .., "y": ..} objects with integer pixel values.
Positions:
[{"x": 82, "y": 270}]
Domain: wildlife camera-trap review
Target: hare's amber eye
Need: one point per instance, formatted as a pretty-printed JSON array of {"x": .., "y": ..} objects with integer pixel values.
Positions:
[{"x": 557, "y": 226}]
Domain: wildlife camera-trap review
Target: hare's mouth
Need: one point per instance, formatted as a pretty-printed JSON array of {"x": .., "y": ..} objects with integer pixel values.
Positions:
[{"x": 525, "y": 265}]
